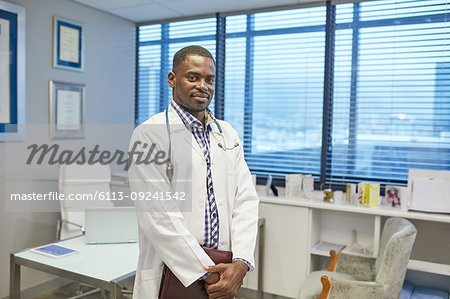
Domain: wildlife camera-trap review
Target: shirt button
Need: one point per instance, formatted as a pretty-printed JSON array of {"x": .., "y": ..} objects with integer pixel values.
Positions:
[
  {"x": 214, "y": 214},
  {"x": 211, "y": 190}
]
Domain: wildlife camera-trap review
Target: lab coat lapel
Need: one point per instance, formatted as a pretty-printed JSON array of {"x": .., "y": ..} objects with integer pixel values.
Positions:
[
  {"x": 180, "y": 128},
  {"x": 214, "y": 148}
]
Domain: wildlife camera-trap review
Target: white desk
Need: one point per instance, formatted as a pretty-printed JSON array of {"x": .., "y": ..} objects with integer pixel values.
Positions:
[
  {"x": 293, "y": 227},
  {"x": 104, "y": 266}
]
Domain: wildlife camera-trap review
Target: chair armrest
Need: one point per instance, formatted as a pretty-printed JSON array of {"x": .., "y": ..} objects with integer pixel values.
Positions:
[
  {"x": 361, "y": 268},
  {"x": 355, "y": 289},
  {"x": 333, "y": 262},
  {"x": 326, "y": 285}
]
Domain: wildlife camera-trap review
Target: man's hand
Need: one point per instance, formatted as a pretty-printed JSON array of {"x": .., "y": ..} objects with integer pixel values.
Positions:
[
  {"x": 231, "y": 277},
  {"x": 212, "y": 278}
]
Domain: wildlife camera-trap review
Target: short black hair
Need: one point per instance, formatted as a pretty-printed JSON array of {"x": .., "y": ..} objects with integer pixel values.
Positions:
[{"x": 180, "y": 56}]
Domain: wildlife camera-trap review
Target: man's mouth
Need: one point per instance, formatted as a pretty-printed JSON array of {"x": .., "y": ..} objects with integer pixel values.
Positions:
[{"x": 202, "y": 96}]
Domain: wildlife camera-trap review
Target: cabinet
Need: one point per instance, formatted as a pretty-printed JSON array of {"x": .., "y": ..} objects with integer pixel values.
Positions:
[
  {"x": 293, "y": 227},
  {"x": 285, "y": 253}
]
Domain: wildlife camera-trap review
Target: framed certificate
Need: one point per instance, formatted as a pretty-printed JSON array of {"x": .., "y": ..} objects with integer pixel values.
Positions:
[
  {"x": 66, "y": 110},
  {"x": 68, "y": 44},
  {"x": 12, "y": 72}
]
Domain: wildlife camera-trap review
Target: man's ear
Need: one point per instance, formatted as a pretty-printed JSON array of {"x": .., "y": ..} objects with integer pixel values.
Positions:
[{"x": 171, "y": 79}]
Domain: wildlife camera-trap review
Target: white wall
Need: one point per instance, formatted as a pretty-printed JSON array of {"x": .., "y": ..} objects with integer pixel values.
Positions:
[{"x": 109, "y": 79}]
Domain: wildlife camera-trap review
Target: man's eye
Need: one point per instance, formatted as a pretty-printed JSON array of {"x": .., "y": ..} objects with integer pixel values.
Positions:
[
  {"x": 210, "y": 80},
  {"x": 192, "y": 78}
]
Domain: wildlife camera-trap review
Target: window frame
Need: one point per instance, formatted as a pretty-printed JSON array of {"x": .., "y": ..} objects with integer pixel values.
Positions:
[{"x": 325, "y": 176}]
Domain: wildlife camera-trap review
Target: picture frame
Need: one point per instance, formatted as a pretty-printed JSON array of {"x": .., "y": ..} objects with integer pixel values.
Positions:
[
  {"x": 12, "y": 72},
  {"x": 66, "y": 104},
  {"x": 68, "y": 44}
]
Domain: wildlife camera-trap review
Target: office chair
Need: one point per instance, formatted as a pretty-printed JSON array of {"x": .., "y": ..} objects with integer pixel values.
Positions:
[
  {"x": 80, "y": 181},
  {"x": 366, "y": 277}
]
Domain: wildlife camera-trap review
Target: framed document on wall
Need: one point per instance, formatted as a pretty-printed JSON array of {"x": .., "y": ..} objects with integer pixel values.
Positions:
[
  {"x": 68, "y": 44},
  {"x": 66, "y": 110},
  {"x": 12, "y": 72}
]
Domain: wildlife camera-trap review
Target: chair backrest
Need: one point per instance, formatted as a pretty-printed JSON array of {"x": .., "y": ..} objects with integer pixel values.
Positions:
[
  {"x": 82, "y": 181},
  {"x": 396, "y": 244}
]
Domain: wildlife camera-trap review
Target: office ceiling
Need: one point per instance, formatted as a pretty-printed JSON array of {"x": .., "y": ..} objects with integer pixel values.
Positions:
[{"x": 139, "y": 11}]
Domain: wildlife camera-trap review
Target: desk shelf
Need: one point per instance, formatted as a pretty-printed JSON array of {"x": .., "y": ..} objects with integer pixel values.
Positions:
[
  {"x": 435, "y": 268},
  {"x": 345, "y": 207},
  {"x": 338, "y": 227}
]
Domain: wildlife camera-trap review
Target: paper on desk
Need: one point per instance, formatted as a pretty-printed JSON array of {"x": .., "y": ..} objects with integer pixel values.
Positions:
[{"x": 326, "y": 247}]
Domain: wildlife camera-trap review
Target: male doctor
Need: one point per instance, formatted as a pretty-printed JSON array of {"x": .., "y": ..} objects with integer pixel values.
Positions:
[{"x": 223, "y": 210}]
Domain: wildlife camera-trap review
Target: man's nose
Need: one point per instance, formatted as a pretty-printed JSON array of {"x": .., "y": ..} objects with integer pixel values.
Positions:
[{"x": 202, "y": 85}]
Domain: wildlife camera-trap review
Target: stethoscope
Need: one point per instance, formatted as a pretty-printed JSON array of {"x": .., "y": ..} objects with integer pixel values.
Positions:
[{"x": 169, "y": 168}]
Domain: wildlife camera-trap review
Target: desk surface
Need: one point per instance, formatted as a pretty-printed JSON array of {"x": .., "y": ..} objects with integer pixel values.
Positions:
[
  {"x": 346, "y": 207},
  {"x": 104, "y": 262}
]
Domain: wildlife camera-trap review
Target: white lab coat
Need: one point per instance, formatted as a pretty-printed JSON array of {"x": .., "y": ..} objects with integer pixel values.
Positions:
[{"x": 173, "y": 237}]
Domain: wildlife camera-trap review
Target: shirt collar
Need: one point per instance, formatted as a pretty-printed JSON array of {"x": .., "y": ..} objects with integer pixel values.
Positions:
[{"x": 190, "y": 121}]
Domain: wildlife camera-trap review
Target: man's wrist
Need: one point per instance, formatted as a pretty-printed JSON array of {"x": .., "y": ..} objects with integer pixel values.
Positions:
[
  {"x": 241, "y": 264},
  {"x": 249, "y": 266}
]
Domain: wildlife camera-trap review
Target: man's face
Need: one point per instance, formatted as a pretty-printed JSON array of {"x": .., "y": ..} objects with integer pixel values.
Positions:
[{"x": 193, "y": 83}]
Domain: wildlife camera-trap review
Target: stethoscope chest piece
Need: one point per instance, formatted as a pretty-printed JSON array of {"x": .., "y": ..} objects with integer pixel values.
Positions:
[
  {"x": 169, "y": 171},
  {"x": 235, "y": 145}
]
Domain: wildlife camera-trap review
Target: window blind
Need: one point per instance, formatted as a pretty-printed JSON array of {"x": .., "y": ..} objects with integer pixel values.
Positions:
[
  {"x": 235, "y": 72},
  {"x": 149, "y": 67},
  {"x": 274, "y": 69},
  {"x": 392, "y": 90}
]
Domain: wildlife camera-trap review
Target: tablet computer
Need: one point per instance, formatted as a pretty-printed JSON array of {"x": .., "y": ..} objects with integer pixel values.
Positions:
[{"x": 55, "y": 250}]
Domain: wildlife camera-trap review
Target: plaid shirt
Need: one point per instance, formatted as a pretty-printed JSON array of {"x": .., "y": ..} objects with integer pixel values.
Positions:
[{"x": 211, "y": 235}]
